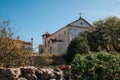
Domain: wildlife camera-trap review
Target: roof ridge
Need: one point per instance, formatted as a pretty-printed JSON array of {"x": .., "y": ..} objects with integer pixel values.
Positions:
[
  {"x": 78, "y": 20},
  {"x": 70, "y": 24}
]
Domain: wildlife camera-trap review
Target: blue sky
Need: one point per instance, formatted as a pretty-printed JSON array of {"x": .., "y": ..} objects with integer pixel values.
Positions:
[{"x": 32, "y": 18}]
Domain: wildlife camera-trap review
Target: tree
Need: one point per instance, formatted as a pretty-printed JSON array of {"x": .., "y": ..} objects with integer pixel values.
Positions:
[
  {"x": 106, "y": 36},
  {"x": 11, "y": 55},
  {"x": 77, "y": 46},
  {"x": 97, "y": 39}
]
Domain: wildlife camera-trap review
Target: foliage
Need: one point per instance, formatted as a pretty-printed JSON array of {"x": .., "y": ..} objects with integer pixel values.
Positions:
[
  {"x": 77, "y": 45},
  {"x": 46, "y": 59},
  {"x": 106, "y": 36},
  {"x": 42, "y": 60},
  {"x": 5, "y": 29},
  {"x": 58, "y": 59},
  {"x": 10, "y": 54},
  {"x": 96, "y": 66}
]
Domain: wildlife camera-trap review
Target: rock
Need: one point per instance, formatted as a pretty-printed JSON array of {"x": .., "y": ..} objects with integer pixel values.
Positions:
[
  {"x": 67, "y": 71},
  {"x": 58, "y": 73},
  {"x": 9, "y": 73},
  {"x": 39, "y": 74},
  {"x": 13, "y": 73},
  {"x": 3, "y": 74},
  {"x": 64, "y": 67},
  {"x": 29, "y": 73},
  {"x": 21, "y": 78},
  {"x": 47, "y": 73}
]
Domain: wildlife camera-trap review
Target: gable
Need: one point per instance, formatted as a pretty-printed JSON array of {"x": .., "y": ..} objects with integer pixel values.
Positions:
[{"x": 80, "y": 22}]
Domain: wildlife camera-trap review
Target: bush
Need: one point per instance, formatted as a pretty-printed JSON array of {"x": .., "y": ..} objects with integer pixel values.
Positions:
[
  {"x": 100, "y": 66},
  {"x": 13, "y": 60},
  {"x": 42, "y": 60},
  {"x": 77, "y": 45},
  {"x": 46, "y": 59}
]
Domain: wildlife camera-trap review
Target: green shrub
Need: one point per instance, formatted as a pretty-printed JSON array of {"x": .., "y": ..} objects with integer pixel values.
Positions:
[
  {"x": 77, "y": 45},
  {"x": 99, "y": 66}
]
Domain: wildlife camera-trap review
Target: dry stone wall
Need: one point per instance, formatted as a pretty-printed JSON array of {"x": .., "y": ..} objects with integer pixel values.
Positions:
[{"x": 31, "y": 73}]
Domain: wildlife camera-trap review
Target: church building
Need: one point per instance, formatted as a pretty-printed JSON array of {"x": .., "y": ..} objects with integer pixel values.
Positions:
[{"x": 59, "y": 41}]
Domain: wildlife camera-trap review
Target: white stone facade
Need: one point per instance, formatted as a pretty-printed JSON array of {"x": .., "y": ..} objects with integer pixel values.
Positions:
[{"x": 59, "y": 41}]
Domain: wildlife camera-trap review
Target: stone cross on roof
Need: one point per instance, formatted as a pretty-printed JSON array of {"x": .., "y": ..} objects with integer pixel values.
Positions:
[{"x": 80, "y": 14}]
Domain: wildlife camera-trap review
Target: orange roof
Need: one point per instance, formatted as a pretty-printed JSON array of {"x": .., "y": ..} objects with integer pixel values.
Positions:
[
  {"x": 28, "y": 43},
  {"x": 46, "y": 34},
  {"x": 23, "y": 42}
]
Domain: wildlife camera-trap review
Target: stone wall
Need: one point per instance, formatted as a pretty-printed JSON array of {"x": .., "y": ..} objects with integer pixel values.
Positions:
[{"x": 31, "y": 73}]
